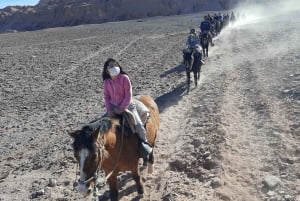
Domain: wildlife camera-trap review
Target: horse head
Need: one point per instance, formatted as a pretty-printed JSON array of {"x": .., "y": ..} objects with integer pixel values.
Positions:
[
  {"x": 198, "y": 50},
  {"x": 89, "y": 151},
  {"x": 187, "y": 57},
  {"x": 187, "y": 52}
]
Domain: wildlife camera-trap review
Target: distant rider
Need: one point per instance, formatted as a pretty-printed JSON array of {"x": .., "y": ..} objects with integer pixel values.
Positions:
[
  {"x": 232, "y": 17},
  {"x": 205, "y": 28},
  {"x": 192, "y": 40}
]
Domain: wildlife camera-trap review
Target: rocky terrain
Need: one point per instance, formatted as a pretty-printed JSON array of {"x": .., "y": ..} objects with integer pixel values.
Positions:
[
  {"x": 234, "y": 137},
  {"x": 58, "y": 13}
]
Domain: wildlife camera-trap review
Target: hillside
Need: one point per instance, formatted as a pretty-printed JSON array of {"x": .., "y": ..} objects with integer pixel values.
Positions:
[{"x": 58, "y": 13}]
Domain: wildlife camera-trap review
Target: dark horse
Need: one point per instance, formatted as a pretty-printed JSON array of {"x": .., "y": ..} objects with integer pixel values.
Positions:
[
  {"x": 218, "y": 27},
  {"x": 107, "y": 145},
  {"x": 191, "y": 64},
  {"x": 197, "y": 63},
  {"x": 204, "y": 40}
]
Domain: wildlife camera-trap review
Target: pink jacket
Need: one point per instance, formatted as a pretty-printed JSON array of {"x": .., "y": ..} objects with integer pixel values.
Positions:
[{"x": 117, "y": 93}]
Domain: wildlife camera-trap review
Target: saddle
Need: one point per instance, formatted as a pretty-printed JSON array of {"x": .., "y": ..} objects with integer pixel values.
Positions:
[
  {"x": 130, "y": 121},
  {"x": 142, "y": 110}
]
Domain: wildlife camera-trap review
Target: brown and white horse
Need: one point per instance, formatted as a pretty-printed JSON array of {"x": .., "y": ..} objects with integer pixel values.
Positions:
[{"x": 108, "y": 146}]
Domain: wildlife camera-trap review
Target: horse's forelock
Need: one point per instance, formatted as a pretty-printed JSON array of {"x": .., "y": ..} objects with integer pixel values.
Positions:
[{"x": 84, "y": 140}]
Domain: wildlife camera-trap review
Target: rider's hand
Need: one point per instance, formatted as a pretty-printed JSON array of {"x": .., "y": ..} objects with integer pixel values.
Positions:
[
  {"x": 117, "y": 110},
  {"x": 110, "y": 114}
]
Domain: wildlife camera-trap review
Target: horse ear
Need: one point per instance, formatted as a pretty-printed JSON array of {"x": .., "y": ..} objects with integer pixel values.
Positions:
[{"x": 73, "y": 134}]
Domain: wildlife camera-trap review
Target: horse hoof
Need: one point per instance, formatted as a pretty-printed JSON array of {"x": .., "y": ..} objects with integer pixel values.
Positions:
[
  {"x": 150, "y": 168},
  {"x": 140, "y": 191},
  {"x": 140, "y": 195}
]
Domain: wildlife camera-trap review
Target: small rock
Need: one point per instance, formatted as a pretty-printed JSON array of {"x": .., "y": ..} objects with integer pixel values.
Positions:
[
  {"x": 67, "y": 193},
  {"x": 215, "y": 183},
  {"x": 283, "y": 175},
  {"x": 223, "y": 196},
  {"x": 206, "y": 154},
  {"x": 38, "y": 193},
  {"x": 3, "y": 175},
  {"x": 271, "y": 182},
  {"x": 75, "y": 184},
  {"x": 66, "y": 183},
  {"x": 289, "y": 160},
  {"x": 271, "y": 193},
  {"x": 207, "y": 184},
  {"x": 288, "y": 198},
  {"x": 273, "y": 199},
  {"x": 275, "y": 134},
  {"x": 52, "y": 182}
]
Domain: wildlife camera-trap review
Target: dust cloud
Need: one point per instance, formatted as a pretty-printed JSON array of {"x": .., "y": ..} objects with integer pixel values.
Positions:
[{"x": 253, "y": 12}]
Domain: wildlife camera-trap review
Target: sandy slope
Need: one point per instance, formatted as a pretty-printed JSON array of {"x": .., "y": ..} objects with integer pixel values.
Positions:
[{"x": 217, "y": 143}]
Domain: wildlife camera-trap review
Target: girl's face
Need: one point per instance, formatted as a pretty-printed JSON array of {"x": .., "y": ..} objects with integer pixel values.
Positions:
[
  {"x": 111, "y": 65},
  {"x": 113, "y": 69}
]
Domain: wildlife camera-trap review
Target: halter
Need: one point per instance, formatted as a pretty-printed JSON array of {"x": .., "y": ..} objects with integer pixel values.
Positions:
[{"x": 95, "y": 176}]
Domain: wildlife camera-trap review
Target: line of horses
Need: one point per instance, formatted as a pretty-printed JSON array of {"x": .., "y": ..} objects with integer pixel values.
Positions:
[{"x": 193, "y": 58}]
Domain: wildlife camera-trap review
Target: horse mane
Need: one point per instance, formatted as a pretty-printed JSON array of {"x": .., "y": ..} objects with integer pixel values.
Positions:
[{"x": 85, "y": 135}]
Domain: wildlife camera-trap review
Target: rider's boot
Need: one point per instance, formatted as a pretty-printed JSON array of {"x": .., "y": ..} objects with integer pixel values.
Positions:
[{"x": 146, "y": 148}]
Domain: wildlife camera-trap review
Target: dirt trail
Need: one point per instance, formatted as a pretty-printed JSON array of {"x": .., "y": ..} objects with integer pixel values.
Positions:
[
  {"x": 219, "y": 142},
  {"x": 258, "y": 137}
]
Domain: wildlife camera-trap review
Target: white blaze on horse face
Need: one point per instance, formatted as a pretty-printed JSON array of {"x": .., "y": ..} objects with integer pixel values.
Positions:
[{"x": 83, "y": 155}]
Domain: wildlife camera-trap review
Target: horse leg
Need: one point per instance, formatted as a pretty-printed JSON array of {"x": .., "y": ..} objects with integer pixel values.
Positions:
[
  {"x": 113, "y": 187},
  {"x": 188, "y": 81},
  {"x": 137, "y": 178},
  {"x": 199, "y": 70},
  {"x": 150, "y": 163},
  {"x": 206, "y": 51},
  {"x": 195, "y": 77}
]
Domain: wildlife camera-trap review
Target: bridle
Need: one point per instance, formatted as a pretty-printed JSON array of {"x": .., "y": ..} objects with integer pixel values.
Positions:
[{"x": 95, "y": 175}]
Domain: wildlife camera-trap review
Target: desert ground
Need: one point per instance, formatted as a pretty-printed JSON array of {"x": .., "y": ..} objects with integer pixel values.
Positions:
[{"x": 234, "y": 137}]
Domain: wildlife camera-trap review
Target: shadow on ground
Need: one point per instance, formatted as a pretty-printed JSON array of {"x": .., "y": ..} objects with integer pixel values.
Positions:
[
  {"x": 177, "y": 69},
  {"x": 123, "y": 192},
  {"x": 171, "y": 98}
]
